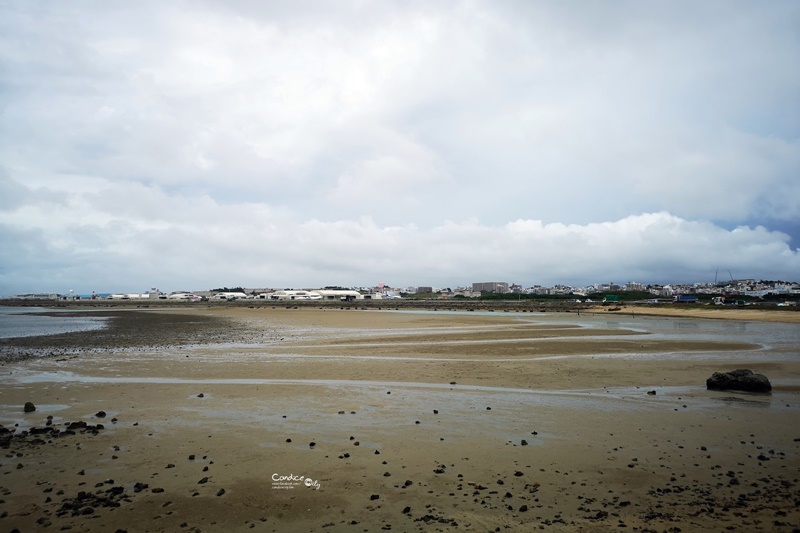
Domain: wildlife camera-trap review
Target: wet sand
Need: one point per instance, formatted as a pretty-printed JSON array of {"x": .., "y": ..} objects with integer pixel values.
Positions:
[
  {"x": 419, "y": 422},
  {"x": 789, "y": 315}
]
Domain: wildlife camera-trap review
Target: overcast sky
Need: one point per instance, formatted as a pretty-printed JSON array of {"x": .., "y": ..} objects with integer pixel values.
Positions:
[{"x": 188, "y": 145}]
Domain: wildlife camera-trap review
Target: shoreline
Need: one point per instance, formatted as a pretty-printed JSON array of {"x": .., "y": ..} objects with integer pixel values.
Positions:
[
  {"x": 762, "y": 312},
  {"x": 419, "y": 421}
]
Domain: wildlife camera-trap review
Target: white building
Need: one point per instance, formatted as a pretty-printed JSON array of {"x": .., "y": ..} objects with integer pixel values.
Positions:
[
  {"x": 230, "y": 296},
  {"x": 320, "y": 294},
  {"x": 290, "y": 295}
]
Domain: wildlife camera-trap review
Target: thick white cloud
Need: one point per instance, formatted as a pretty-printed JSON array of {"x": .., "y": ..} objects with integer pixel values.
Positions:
[
  {"x": 129, "y": 237},
  {"x": 340, "y": 142}
]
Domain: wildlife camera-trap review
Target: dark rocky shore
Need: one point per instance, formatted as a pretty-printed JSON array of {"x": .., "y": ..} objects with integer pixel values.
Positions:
[{"x": 126, "y": 328}]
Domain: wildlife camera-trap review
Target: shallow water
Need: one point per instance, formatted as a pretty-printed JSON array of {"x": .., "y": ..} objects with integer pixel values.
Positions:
[
  {"x": 32, "y": 322},
  {"x": 421, "y": 392}
]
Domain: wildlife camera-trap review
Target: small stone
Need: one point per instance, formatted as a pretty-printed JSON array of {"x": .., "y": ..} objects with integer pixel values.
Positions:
[
  {"x": 100, "y": 414},
  {"x": 201, "y": 395},
  {"x": 374, "y": 497},
  {"x": 651, "y": 392},
  {"x": 312, "y": 444},
  {"x": 220, "y": 492},
  {"x": 203, "y": 481},
  {"x": 29, "y": 407},
  {"x": 523, "y": 443}
]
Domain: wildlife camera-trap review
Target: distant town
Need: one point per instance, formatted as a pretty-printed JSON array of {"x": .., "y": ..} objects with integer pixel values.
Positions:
[{"x": 781, "y": 292}]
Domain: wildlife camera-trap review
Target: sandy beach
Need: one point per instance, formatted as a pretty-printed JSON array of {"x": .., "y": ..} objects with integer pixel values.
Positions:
[{"x": 239, "y": 418}]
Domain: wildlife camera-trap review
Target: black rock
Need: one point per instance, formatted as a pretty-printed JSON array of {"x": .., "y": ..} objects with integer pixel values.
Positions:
[
  {"x": 374, "y": 497},
  {"x": 29, "y": 407},
  {"x": 741, "y": 379},
  {"x": 100, "y": 414}
]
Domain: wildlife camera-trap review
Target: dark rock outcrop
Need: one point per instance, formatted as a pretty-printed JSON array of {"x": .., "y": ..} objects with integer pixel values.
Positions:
[{"x": 741, "y": 379}]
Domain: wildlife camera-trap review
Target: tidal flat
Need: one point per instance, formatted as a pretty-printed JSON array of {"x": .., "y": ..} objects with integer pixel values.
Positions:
[{"x": 341, "y": 419}]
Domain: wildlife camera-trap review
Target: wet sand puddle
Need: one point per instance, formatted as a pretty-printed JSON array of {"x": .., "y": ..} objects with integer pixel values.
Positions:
[{"x": 464, "y": 398}]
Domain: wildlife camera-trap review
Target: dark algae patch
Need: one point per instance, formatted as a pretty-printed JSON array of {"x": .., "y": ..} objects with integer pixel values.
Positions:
[{"x": 127, "y": 329}]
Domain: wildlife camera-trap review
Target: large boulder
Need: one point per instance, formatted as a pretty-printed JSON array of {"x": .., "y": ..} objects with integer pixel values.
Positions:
[{"x": 742, "y": 379}]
